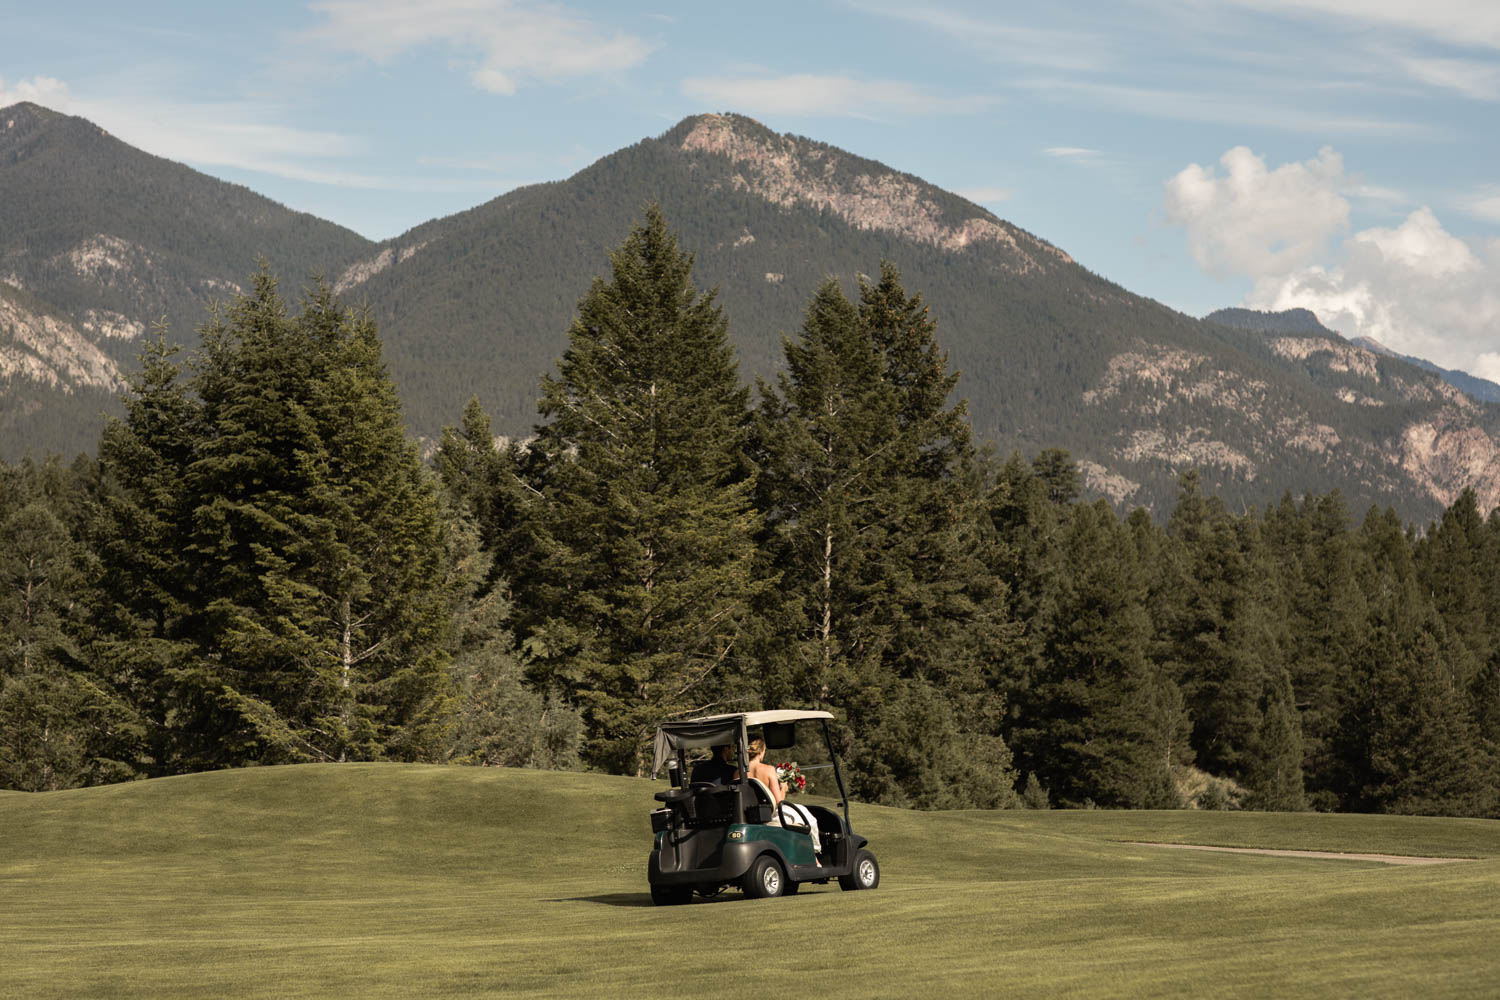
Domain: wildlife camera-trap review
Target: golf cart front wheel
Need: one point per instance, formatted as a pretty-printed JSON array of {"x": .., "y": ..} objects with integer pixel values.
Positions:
[
  {"x": 671, "y": 895},
  {"x": 765, "y": 879},
  {"x": 866, "y": 874}
]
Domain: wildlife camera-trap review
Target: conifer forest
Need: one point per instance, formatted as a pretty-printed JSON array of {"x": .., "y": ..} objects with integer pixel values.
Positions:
[{"x": 260, "y": 567}]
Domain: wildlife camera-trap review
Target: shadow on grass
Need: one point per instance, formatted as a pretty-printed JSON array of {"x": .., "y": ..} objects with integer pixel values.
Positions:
[
  {"x": 609, "y": 899},
  {"x": 637, "y": 899}
]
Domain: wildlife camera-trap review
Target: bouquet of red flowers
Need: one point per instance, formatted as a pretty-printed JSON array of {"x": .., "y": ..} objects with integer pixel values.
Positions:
[{"x": 791, "y": 776}]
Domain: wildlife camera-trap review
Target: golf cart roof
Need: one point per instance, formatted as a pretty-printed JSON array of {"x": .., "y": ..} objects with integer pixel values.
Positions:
[
  {"x": 714, "y": 730},
  {"x": 759, "y": 718}
]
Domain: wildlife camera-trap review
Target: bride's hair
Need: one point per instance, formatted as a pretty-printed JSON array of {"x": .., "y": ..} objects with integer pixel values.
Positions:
[{"x": 757, "y": 747}]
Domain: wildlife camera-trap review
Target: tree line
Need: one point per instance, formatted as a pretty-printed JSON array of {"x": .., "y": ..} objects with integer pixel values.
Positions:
[{"x": 260, "y": 568}]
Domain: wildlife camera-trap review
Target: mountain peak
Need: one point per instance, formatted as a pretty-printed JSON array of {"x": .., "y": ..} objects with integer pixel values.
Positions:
[
  {"x": 790, "y": 172},
  {"x": 1293, "y": 321}
]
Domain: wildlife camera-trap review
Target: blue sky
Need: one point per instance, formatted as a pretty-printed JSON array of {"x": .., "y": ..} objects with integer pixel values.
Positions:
[{"x": 1340, "y": 155}]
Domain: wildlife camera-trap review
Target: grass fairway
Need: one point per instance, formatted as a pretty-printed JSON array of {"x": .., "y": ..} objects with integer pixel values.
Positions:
[{"x": 394, "y": 881}]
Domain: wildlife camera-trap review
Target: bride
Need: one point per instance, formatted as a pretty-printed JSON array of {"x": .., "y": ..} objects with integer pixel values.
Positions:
[{"x": 767, "y": 776}]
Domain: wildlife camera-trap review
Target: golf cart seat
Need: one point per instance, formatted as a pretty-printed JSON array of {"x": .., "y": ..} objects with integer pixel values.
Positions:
[
  {"x": 709, "y": 805},
  {"x": 788, "y": 819}
]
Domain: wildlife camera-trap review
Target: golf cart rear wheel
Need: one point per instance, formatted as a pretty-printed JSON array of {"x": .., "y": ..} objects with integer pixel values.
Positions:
[
  {"x": 671, "y": 895},
  {"x": 765, "y": 879},
  {"x": 866, "y": 874}
]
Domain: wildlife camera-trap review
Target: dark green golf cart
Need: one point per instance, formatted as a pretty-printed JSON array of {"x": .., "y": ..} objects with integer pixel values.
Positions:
[{"x": 729, "y": 832}]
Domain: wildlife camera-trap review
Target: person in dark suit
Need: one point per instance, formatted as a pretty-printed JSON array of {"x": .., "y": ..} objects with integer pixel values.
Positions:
[{"x": 716, "y": 770}]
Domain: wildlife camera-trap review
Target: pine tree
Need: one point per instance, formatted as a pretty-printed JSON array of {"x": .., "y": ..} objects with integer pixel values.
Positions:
[
  {"x": 60, "y": 725},
  {"x": 316, "y": 552},
  {"x": 1321, "y": 568},
  {"x": 1100, "y": 721},
  {"x": 1407, "y": 742},
  {"x": 1224, "y": 648},
  {"x": 872, "y": 497},
  {"x": 137, "y": 530},
  {"x": 641, "y": 596}
]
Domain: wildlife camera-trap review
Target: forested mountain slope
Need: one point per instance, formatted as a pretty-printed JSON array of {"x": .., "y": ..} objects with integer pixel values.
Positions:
[
  {"x": 478, "y": 304},
  {"x": 112, "y": 239},
  {"x": 1051, "y": 354}
]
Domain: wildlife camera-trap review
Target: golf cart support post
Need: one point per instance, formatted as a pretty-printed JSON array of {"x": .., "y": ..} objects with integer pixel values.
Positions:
[{"x": 708, "y": 836}]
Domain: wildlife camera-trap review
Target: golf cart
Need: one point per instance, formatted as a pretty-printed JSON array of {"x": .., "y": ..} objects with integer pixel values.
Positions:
[{"x": 731, "y": 832}]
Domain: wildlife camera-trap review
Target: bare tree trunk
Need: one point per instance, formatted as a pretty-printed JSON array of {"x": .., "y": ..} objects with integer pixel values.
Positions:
[{"x": 346, "y": 678}]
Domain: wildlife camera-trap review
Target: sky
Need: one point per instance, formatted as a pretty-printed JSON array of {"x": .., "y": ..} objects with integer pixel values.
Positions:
[{"x": 1337, "y": 155}]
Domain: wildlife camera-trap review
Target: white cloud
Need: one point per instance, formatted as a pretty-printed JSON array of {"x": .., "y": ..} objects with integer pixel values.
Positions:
[
  {"x": 1258, "y": 221},
  {"x": 1414, "y": 287},
  {"x": 825, "y": 96},
  {"x": 43, "y": 90},
  {"x": 511, "y": 44}
]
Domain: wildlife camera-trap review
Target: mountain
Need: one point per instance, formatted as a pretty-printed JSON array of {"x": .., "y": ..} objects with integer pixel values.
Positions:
[
  {"x": 1481, "y": 389},
  {"x": 54, "y": 380},
  {"x": 1052, "y": 354},
  {"x": 479, "y": 303},
  {"x": 107, "y": 239},
  {"x": 1301, "y": 321}
]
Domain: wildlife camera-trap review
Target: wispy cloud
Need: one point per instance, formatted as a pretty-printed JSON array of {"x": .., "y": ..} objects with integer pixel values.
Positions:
[
  {"x": 826, "y": 96},
  {"x": 242, "y": 136},
  {"x": 43, "y": 90},
  {"x": 506, "y": 44},
  {"x": 1002, "y": 38},
  {"x": 1076, "y": 153},
  {"x": 1222, "y": 108},
  {"x": 1468, "y": 23},
  {"x": 1470, "y": 77},
  {"x": 1380, "y": 195},
  {"x": 986, "y": 195},
  {"x": 1484, "y": 203}
]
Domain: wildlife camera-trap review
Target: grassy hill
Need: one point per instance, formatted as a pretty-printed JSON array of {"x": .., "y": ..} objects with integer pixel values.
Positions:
[{"x": 396, "y": 881}]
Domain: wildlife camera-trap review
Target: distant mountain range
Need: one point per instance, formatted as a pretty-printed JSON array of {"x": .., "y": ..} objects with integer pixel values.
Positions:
[
  {"x": 98, "y": 240},
  {"x": 1302, "y": 321}
]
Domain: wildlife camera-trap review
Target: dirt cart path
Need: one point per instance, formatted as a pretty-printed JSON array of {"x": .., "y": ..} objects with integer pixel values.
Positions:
[{"x": 1389, "y": 859}]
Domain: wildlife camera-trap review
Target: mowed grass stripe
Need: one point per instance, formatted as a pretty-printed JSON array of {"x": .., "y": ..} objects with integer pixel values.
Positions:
[{"x": 393, "y": 881}]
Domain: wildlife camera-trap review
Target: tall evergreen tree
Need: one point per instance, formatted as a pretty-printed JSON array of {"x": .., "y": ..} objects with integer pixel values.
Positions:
[
  {"x": 1407, "y": 743},
  {"x": 60, "y": 724},
  {"x": 1100, "y": 721},
  {"x": 1320, "y": 566},
  {"x": 1224, "y": 650},
  {"x": 641, "y": 599},
  {"x": 316, "y": 552},
  {"x": 872, "y": 495},
  {"x": 137, "y": 530}
]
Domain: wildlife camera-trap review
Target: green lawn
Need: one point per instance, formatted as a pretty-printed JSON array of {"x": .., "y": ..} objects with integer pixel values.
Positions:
[{"x": 393, "y": 881}]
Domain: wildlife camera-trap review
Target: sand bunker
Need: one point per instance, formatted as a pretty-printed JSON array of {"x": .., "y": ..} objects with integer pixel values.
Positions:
[{"x": 1388, "y": 859}]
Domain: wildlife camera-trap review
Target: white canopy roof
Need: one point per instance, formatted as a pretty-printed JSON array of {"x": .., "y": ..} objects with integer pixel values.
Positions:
[
  {"x": 761, "y": 718},
  {"x": 711, "y": 730}
]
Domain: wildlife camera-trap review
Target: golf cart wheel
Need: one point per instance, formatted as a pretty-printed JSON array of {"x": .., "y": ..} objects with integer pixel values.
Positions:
[
  {"x": 765, "y": 879},
  {"x": 866, "y": 874},
  {"x": 671, "y": 895}
]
